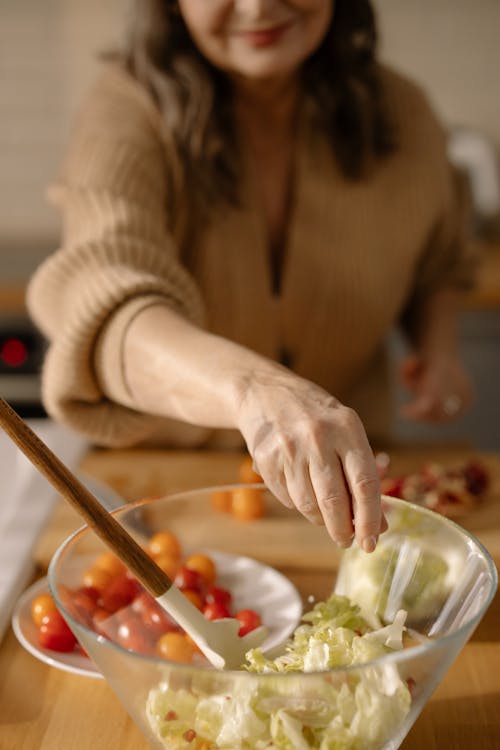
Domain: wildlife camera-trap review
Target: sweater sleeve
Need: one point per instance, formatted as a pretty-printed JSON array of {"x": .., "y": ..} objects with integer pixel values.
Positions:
[
  {"x": 448, "y": 257},
  {"x": 118, "y": 254}
]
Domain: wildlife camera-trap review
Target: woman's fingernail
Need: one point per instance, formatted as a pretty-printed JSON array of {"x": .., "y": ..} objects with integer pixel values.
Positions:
[
  {"x": 369, "y": 543},
  {"x": 345, "y": 543}
]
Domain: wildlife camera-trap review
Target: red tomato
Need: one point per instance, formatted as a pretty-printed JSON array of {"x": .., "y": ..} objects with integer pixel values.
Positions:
[
  {"x": 133, "y": 635},
  {"x": 90, "y": 591},
  {"x": 82, "y": 605},
  {"x": 189, "y": 579},
  {"x": 153, "y": 615},
  {"x": 101, "y": 625},
  {"x": 218, "y": 595},
  {"x": 54, "y": 633},
  {"x": 120, "y": 592},
  {"x": 215, "y": 611},
  {"x": 249, "y": 621}
]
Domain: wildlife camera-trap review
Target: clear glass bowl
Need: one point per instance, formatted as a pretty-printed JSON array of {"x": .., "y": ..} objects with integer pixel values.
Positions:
[{"x": 429, "y": 566}]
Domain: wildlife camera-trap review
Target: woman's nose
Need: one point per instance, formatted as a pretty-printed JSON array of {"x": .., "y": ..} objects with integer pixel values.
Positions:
[{"x": 254, "y": 8}]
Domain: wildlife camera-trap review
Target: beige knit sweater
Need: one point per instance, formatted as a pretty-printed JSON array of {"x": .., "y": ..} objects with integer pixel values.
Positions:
[{"x": 358, "y": 255}]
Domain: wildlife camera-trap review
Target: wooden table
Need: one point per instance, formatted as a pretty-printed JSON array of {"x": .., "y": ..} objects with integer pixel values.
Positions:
[{"x": 42, "y": 708}]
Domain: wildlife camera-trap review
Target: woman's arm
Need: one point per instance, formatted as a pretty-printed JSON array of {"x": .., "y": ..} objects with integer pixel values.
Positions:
[
  {"x": 311, "y": 451},
  {"x": 434, "y": 373}
]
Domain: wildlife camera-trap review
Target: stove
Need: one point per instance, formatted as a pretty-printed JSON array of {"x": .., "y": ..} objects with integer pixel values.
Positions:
[{"x": 22, "y": 349}]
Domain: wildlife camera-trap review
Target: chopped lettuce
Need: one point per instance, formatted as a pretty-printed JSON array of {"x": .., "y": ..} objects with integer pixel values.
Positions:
[
  {"x": 352, "y": 710},
  {"x": 402, "y": 573}
]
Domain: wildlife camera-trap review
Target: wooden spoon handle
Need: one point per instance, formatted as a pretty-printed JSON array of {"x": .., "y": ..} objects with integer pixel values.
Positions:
[{"x": 103, "y": 523}]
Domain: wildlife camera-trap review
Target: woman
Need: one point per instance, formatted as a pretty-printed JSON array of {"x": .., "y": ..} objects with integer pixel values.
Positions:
[{"x": 250, "y": 202}]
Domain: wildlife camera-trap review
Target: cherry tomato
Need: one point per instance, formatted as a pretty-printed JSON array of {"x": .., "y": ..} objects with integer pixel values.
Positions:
[
  {"x": 83, "y": 605},
  {"x": 165, "y": 543},
  {"x": 247, "y": 473},
  {"x": 176, "y": 647},
  {"x": 110, "y": 563},
  {"x": 153, "y": 616},
  {"x": 194, "y": 597},
  {"x": 189, "y": 579},
  {"x": 215, "y": 611},
  {"x": 96, "y": 578},
  {"x": 133, "y": 635},
  {"x": 168, "y": 563},
  {"x": 54, "y": 633},
  {"x": 249, "y": 620},
  {"x": 120, "y": 592},
  {"x": 221, "y": 500},
  {"x": 248, "y": 503},
  {"x": 103, "y": 623},
  {"x": 218, "y": 595},
  {"x": 41, "y": 606},
  {"x": 204, "y": 565}
]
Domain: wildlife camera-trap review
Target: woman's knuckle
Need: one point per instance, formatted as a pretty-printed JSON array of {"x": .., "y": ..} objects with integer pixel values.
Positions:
[
  {"x": 333, "y": 503},
  {"x": 367, "y": 489}
]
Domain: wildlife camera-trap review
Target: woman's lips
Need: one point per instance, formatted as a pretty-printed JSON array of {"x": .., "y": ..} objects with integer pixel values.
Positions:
[{"x": 265, "y": 37}]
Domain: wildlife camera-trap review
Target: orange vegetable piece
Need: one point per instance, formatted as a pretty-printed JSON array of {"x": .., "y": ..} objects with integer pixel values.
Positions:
[{"x": 248, "y": 503}]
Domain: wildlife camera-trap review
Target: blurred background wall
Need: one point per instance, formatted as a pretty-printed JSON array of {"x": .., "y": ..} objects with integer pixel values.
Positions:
[{"x": 48, "y": 52}]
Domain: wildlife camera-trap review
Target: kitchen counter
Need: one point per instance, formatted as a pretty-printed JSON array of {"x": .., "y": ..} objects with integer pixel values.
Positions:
[{"x": 42, "y": 708}]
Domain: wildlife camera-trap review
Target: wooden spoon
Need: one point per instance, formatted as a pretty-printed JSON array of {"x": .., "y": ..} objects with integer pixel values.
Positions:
[{"x": 218, "y": 639}]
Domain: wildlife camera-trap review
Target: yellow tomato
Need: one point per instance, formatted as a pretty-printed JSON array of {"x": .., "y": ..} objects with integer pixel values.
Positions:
[
  {"x": 204, "y": 565},
  {"x": 110, "y": 563},
  {"x": 221, "y": 500},
  {"x": 194, "y": 597},
  {"x": 97, "y": 578},
  {"x": 248, "y": 503},
  {"x": 41, "y": 606},
  {"x": 175, "y": 647},
  {"x": 165, "y": 543},
  {"x": 247, "y": 473},
  {"x": 168, "y": 564}
]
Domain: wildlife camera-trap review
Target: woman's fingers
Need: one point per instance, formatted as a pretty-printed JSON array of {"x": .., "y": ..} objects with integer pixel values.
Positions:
[
  {"x": 333, "y": 500},
  {"x": 362, "y": 477},
  {"x": 302, "y": 492}
]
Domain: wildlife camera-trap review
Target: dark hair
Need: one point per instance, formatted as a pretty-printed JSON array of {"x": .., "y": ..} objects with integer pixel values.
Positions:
[{"x": 342, "y": 76}]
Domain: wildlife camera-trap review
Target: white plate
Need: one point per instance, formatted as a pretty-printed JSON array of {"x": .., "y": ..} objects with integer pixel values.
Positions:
[{"x": 252, "y": 584}]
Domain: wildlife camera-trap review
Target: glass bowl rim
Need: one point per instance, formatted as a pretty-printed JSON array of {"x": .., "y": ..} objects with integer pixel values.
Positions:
[{"x": 401, "y": 656}]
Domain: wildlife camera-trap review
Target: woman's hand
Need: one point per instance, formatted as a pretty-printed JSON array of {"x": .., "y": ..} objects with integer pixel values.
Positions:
[
  {"x": 311, "y": 451},
  {"x": 440, "y": 387},
  {"x": 313, "y": 454}
]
